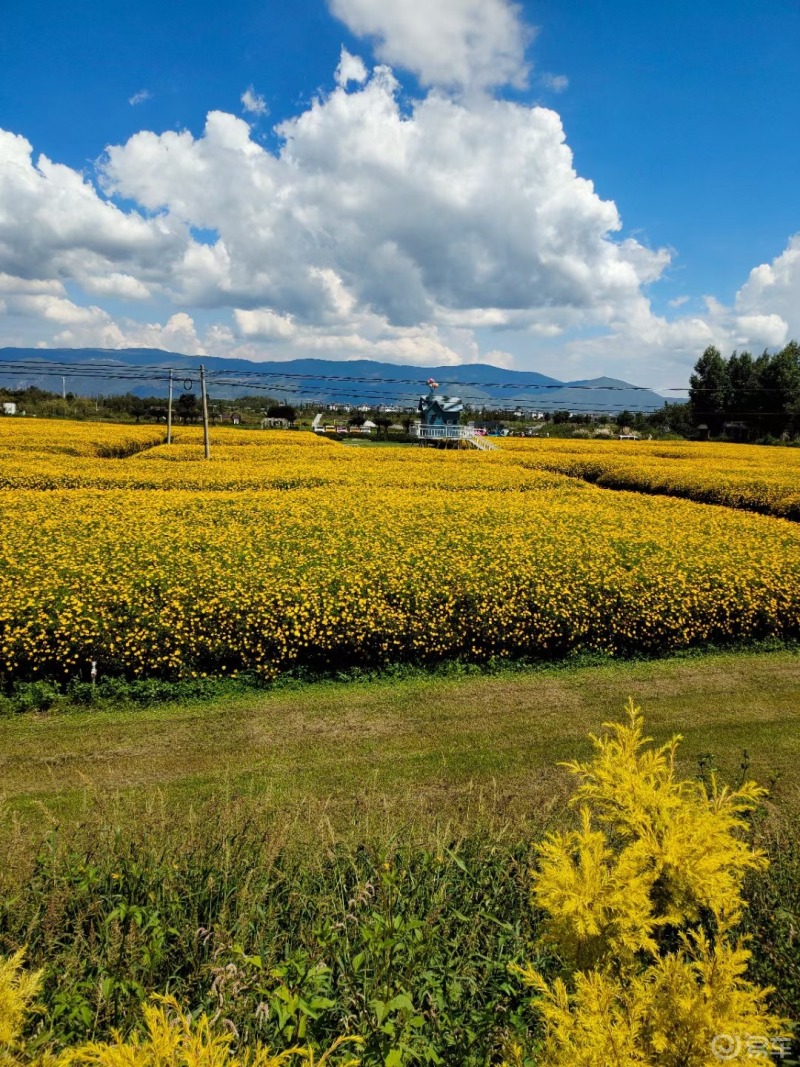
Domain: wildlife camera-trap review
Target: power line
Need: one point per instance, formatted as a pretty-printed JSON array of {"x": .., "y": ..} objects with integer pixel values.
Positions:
[
  {"x": 296, "y": 386},
  {"x": 486, "y": 402},
  {"x": 159, "y": 372},
  {"x": 113, "y": 370},
  {"x": 376, "y": 399},
  {"x": 374, "y": 379}
]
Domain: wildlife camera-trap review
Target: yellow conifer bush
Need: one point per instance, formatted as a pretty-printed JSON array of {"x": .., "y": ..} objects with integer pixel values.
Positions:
[
  {"x": 641, "y": 902},
  {"x": 17, "y": 991}
]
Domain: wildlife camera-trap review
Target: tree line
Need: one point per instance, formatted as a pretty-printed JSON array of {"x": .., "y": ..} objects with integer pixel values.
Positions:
[
  {"x": 130, "y": 407},
  {"x": 745, "y": 397}
]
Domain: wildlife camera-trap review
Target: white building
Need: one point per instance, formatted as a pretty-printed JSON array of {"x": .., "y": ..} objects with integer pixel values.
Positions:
[{"x": 9, "y": 407}]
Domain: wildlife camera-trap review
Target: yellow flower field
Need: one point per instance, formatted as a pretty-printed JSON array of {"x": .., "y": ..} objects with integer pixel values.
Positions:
[
  {"x": 287, "y": 550},
  {"x": 20, "y": 437},
  {"x": 739, "y": 476}
]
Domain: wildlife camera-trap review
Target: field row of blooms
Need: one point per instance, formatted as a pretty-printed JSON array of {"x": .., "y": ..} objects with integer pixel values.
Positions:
[
  {"x": 765, "y": 480},
  {"x": 366, "y": 561},
  {"x": 252, "y": 460},
  {"x": 738, "y": 476},
  {"x": 40, "y": 437}
]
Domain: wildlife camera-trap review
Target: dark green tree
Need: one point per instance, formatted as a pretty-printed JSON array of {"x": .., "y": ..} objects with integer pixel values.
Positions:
[
  {"x": 678, "y": 418},
  {"x": 780, "y": 383},
  {"x": 383, "y": 423},
  {"x": 187, "y": 407},
  {"x": 743, "y": 380},
  {"x": 710, "y": 391}
]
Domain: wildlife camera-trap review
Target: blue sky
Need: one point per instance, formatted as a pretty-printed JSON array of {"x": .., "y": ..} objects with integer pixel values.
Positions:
[{"x": 313, "y": 240}]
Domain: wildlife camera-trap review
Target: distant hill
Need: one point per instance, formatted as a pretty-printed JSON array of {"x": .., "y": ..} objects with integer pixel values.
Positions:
[{"x": 93, "y": 371}]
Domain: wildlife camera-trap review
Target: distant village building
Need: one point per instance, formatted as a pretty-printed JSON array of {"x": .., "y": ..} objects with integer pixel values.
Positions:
[
  {"x": 9, "y": 407},
  {"x": 736, "y": 431},
  {"x": 493, "y": 426}
]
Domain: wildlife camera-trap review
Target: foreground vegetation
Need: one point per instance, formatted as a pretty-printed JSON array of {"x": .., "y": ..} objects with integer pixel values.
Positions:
[{"x": 419, "y": 943}]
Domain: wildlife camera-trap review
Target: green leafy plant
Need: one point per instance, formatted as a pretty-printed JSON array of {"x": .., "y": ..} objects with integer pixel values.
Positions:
[{"x": 171, "y": 1038}]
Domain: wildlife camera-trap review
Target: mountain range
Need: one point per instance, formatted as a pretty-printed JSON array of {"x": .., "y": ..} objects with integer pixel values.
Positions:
[{"x": 144, "y": 372}]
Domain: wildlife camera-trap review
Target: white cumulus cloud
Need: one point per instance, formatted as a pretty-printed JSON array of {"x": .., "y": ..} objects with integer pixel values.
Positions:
[
  {"x": 97, "y": 329},
  {"x": 450, "y": 43},
  {"x": 773, "y": 292},
  {"x": 351, "y": 69},
  {"x": 115, "y": 284},
  {"x": 453, "y": 213},
  {"x": 660, "y": 352},
  {"x": 9, "y": 284},
  {"x": 253, "y": 102},
  {"x": 426, "y": 232},
  {"x": 55, "y": 226}
]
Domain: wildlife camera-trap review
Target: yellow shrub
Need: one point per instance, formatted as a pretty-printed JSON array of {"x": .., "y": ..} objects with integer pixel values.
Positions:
[
  {"x": 641, "y": 902},
  {"x": 17, "y": 990}
]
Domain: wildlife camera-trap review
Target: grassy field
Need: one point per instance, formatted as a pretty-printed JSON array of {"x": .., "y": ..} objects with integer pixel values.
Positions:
[
  {"x": 414, "y": 747},
  {"x": 361, "y": 845}
]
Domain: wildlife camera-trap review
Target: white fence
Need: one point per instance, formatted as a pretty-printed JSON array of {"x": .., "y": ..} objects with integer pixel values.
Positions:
[{"x": 453, "y": 433}]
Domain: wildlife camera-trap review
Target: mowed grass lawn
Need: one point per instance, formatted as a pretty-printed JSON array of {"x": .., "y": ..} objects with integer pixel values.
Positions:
[{"x": 437, "y": 746}]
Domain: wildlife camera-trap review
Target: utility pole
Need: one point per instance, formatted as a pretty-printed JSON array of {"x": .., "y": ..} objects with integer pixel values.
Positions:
[
  {"x": 206, "y": 444},
  {"x": 169, "y": 411}
]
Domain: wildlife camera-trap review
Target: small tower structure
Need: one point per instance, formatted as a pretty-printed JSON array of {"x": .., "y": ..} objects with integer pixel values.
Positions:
[
  {"x": 440, "y": 422},
  {"x": 438, "y": 410}
]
